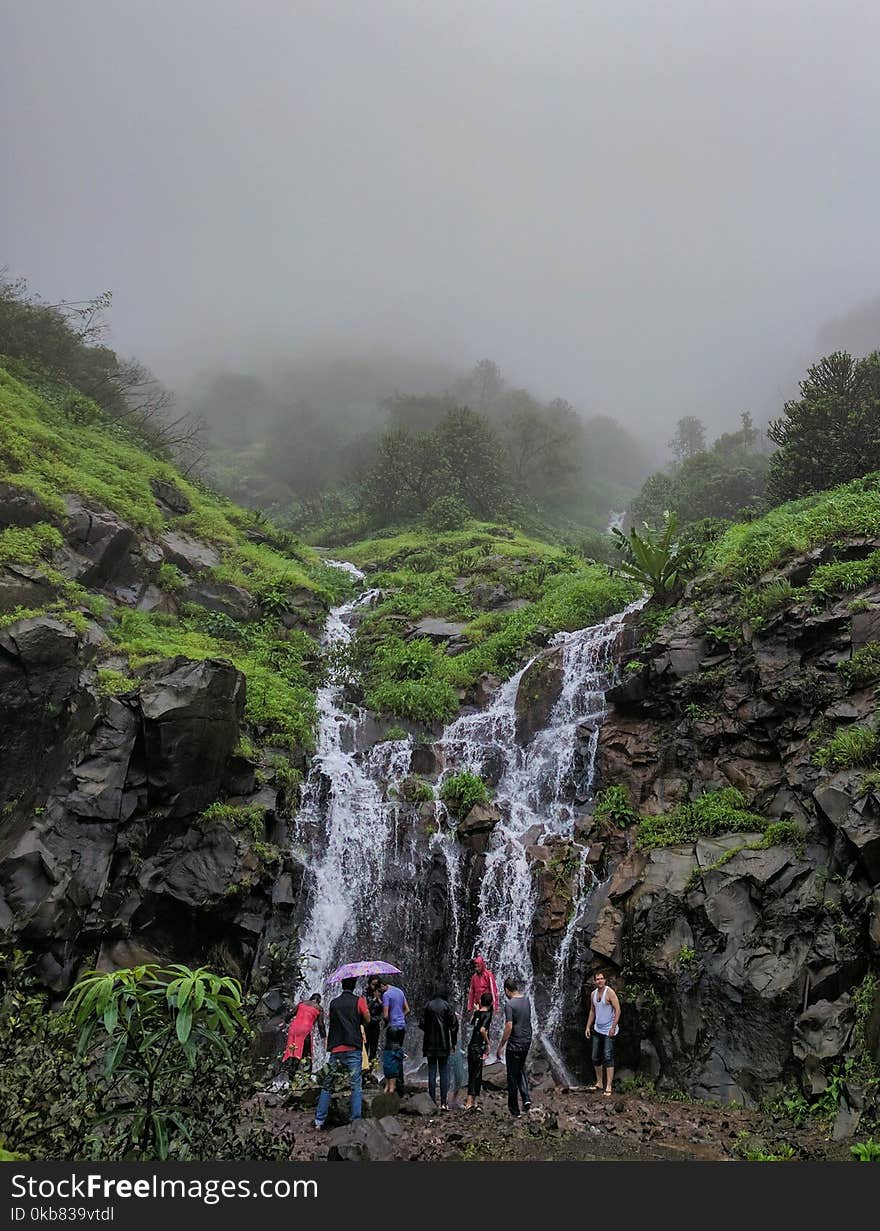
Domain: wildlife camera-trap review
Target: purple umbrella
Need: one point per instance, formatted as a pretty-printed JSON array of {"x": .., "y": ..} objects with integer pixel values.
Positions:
[{"x": 353, "y": 970}]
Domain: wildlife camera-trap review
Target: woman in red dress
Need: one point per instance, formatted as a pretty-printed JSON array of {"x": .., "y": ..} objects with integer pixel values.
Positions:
[{"x": 299, "y": 1035}]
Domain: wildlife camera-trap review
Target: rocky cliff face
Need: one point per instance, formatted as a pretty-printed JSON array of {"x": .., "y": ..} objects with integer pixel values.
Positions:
[
  {"x": 110, "y": 849},
  {"x": 739, "y": 967}
]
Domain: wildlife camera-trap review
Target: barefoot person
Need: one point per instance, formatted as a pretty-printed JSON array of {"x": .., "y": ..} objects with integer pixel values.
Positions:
[{"x": 602, "y": 1022}]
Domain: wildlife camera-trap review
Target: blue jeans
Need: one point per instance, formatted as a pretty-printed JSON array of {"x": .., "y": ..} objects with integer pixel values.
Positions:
[
  {"x": 438, "y": 1064},
  {"x": 351, "y": 1062}
]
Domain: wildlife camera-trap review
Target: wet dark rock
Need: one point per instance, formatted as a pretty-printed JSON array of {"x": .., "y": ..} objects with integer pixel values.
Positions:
[
  {"x": 418, "y": 1105},
  {"x": 171, "y": 500},
  {"x": 221, "y": 596},
  {"x": 538, "y": 692},
  {"x": 188, "y": 554},
  {"x": 23, "y": 585},
  {"x": 191, "y": 714},
  {"x": 97, "y": 544},
  {"x": 362, "y": 1141},
  {"x": 20, "y": 507}
]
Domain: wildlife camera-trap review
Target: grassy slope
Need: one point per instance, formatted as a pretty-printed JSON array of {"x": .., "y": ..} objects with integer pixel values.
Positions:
[
  {"x": 53, "y": 442},
  {"x": 424, "y": 573}
]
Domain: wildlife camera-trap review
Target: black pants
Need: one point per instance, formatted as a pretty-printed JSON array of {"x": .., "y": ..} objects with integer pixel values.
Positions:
[
  {"x": 438, "y": 1064},
  {"x": 372, "y": 1033},
  {"x": 517, "y": 1086},
  {"x": 475, "y": 1072}
]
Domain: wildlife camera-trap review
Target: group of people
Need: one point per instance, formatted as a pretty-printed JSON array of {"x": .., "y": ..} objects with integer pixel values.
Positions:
[{"x": 355, "y": 1022}]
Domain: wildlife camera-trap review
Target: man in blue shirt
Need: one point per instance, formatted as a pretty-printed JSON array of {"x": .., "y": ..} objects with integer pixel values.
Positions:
[{"x": 394, "y": 1011}]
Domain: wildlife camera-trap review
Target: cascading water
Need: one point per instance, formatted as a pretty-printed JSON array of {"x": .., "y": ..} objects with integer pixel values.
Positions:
[
  {"x": 344, "y": 820},
  {"x": 373, "y": 891},
  {"x": 535, "y": 789}
]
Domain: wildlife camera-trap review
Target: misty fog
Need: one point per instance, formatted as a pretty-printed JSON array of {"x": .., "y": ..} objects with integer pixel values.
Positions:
[{"x": 648, "y": 210}]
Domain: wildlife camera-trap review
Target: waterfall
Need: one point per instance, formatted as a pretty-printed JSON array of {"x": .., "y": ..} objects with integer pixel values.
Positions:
[
  {"x": 535, "y": 791},
  {"x": 371, "y": 887},
  {"x": 344, "y": 820}
]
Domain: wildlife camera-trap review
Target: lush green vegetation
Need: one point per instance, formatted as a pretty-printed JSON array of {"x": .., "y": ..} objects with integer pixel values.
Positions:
[
  {"x": 713, "y": 813},
  {"x": 144, "y": 1063},
  {"x": 613, "y": 808},
  {"x": 863, "y": 667},
  {"x": 461, "y": 792},
  {"x": 755, "y": 547},
  {"x": 448, "y": 575},
  {"x": 850, "y": 748}
]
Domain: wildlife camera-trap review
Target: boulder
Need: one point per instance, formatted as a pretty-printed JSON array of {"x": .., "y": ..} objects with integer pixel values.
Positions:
[
  {"x": 23, "y": 585},
  {"x": 98, "y": 543},
  {"x": 474, "y": 831},
  {"x": 191, "y": 713},
  {"x": 20, "y": 507},
  {"x": 420, "y": 1104},
  {"x": 45, "y": 708},
  {"x": 197, "y": 868},
  {"x": 188, "y": 554},
  {"x": 361, "y": 1141},
  {"x": 539, "y": 690},
  {"x": 171, "y": 500},
  {"x": 438, "y": 631},
  {"x": 221, "y": 596}
]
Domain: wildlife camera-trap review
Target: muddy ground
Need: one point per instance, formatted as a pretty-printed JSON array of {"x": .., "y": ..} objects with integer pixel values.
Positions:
[{"x": 563, "y": 1125}]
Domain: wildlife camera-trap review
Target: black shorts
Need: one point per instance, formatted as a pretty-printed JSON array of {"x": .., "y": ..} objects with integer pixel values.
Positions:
[{"x": 603, "y": 1048}]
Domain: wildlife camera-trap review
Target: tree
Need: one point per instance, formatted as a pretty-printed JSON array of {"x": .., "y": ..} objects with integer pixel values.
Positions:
[
  {"x": 542, "y": 443},
  {"x": 689, "y": 438},
  {"x": 472, "y": 454},
  {"x": 831, "y": 434},
  {"x": 406, "y": 476}
]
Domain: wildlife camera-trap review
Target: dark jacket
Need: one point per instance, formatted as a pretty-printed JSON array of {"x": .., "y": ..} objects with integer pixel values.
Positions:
[
  {"x": 440, "y": 1027},
  {"x": 345, "y": 1022}
]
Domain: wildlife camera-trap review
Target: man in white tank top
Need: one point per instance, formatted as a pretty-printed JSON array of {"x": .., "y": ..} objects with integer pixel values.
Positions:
[{"x": 603, "y": 1019}]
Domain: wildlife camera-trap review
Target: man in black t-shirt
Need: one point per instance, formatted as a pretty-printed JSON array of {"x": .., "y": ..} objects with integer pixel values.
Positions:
[{"x": 517, "y": 1037}]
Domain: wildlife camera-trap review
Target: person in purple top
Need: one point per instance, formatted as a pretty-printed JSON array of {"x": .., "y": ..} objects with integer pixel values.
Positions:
[{"x": 394, "y": 1011}]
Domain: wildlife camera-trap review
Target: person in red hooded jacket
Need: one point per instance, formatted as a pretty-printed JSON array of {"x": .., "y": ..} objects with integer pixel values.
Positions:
[{"x": 482, "y": 980}]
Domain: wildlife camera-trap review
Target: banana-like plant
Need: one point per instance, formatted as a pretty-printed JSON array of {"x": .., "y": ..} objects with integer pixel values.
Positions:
[
  {"x": 654, "y": 559},
  {"x": 150, "y": 1026}
]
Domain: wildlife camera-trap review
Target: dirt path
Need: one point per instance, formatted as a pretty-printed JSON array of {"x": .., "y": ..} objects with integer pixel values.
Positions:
[{"x": 578, "y": 1126}]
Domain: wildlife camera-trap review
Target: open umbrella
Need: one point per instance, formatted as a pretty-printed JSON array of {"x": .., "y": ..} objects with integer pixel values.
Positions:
[{"x": 353, "y": 970}]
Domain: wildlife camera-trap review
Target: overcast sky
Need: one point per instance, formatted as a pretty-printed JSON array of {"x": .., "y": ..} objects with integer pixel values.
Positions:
[{"x": 647, "y": 207}]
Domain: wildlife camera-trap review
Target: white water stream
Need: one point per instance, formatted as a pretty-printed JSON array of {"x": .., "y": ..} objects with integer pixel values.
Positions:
[{"x": 364, "y": 893}]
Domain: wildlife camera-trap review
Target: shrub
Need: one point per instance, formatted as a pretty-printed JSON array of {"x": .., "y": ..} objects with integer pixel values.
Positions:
[
  {"x": 655, "y": 559},
  {"x": 849, "y": 748},
  {"x": 249, "y": 817},
  {"x": 461, "y": 792},
  {"x": 713, "y": 813},
  {"x": 614, "y": 808},
  {"x": 863, "y": 666},
  {"x": 866, "y": 1151},
  {"x": 113, "y": 683},
  {"x": 446, "y": 513}
]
